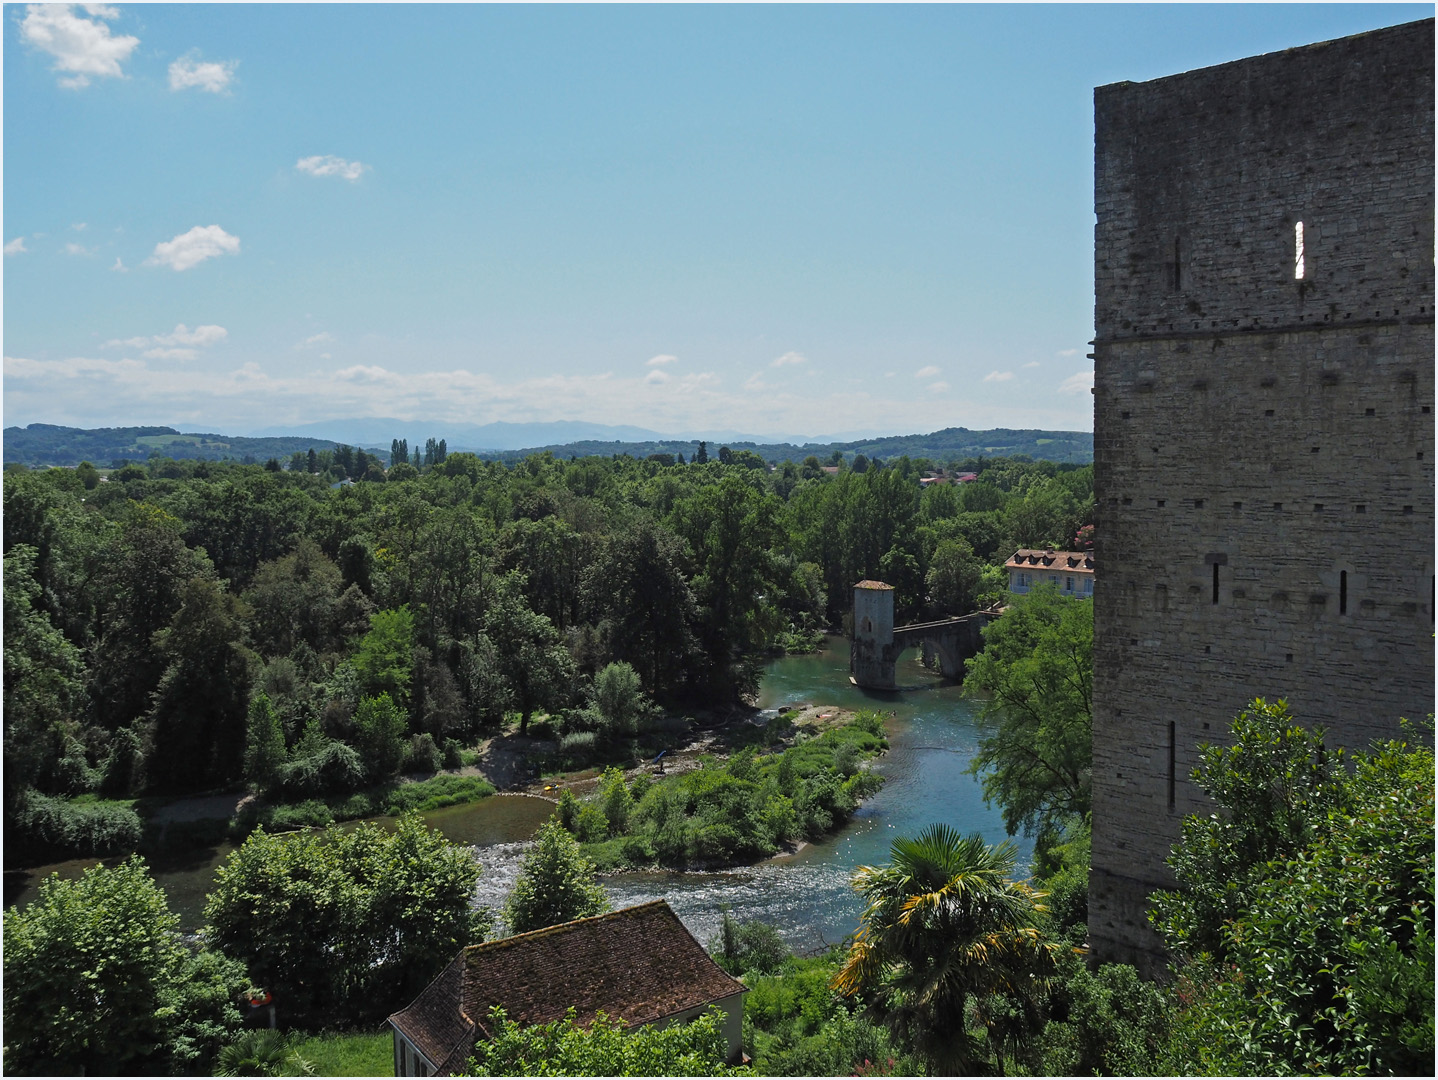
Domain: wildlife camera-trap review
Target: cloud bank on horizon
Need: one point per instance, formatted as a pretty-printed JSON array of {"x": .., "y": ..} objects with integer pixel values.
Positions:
[{"x": 480, "y": 214}]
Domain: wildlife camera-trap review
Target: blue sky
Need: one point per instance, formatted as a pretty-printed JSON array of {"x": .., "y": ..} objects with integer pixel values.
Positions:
[{"x": 801, "y": 220}]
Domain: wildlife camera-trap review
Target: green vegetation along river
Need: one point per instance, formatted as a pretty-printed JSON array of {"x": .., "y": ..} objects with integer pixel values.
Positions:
[{"x": 933, "y": 735}]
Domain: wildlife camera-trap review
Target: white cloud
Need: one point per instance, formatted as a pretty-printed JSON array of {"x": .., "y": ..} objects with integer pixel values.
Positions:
[
  {"x": 83, "y": 47},
  {"x": 938, "y": 387},
  {"x": 661, "y": 360},
  {"x": 998, "y": 376},
  {"x": 182, "y": 343},
  {"x": 120, "y": 266},
  {"x": 73, "y": 248},
  {"x": 656, "y": 378},
  {"x": 86, "y": 392},
  {"x": 329, "y": 165},
  {"x": 16, "y": 246},
  {"x": 1080, "y": 383},
  {"x": 1032, "y": 364},
  {"x": 321, "y": 338},
  {"x": 926, "y": 372},
  {"x": 1067, "y": 352},
  {"x": 214, "y": 76},
  {"x": 789, "y": 358},
  {"x": 80, "y": 226},
  {"x": 194, "y": 247}
]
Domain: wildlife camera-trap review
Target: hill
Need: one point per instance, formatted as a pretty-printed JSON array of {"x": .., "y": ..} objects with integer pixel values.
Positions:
[
  {"x": 950, "y": 444},
  {"x": 51, "y": 444}
]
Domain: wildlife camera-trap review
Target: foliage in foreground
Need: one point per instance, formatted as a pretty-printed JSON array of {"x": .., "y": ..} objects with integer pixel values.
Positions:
[
  {"x": 264, "y": 1052},
  {"x": 796, "y": 1025},
  {"x": 605, "y": 1048},
  {"x": 346, "y": 926},
  {"x": 1305, "y": 927},
  {"x": 1036, "y": 677},
  {"x": 556, "y": 883},
  {"x": 946, "y": 927},
  {"x": 98, "y": 981}
]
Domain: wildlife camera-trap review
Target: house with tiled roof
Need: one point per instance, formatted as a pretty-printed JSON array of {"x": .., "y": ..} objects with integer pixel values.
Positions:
[
  {"x": 1071, "y": 571},
  {"x": 638, "y": 964}
]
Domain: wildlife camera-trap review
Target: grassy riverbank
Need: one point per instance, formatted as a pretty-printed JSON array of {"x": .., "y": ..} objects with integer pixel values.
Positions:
[{"x": 779, "y": 784}]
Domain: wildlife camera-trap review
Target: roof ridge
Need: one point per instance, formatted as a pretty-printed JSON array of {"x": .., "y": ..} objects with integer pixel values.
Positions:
[{"x": 530, "y": 935}]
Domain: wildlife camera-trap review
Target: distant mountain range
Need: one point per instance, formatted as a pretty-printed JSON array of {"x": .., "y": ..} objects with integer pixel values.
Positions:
[
  {"x": 501, "y": 435},
  {"x": 51, "y": 444}
]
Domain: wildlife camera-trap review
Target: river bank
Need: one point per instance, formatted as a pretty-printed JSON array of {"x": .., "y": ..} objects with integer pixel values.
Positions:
[{"x": 933, "y": 733}]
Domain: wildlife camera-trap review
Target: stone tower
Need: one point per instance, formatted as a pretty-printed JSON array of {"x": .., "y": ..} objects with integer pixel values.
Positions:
[
  {"x": 1263, "y": 418},
  {"x": 872, "y": 652}
]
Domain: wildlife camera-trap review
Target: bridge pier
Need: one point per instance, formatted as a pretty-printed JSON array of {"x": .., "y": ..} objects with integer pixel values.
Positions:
[{"x": 877, "y": 643}]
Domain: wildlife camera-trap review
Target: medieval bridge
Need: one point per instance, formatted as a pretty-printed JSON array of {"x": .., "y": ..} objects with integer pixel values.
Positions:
[{"x": 878, "y": 643}]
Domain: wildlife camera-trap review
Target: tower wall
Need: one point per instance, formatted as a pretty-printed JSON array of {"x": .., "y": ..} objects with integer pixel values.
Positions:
[{"x": 1263, "y": 442}]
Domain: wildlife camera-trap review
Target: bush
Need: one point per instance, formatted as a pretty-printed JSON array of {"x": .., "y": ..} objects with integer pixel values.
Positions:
[
  {"x": 80, "y": 828},
  {"x": 576, "y": 749},
  {"x": 421, "y": 756},
  {"x": 320, "y": 766},
  {"x": 437, "y": 793}
]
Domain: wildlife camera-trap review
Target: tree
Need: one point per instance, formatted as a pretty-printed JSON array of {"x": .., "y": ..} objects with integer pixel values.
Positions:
[
  {"x": 296, "y": 599},
  {"x": 944, "y": 928},
  {"x": 98, "y": 980},
  {"x": 384, "y": 659},
  {"x": 556, "y": 883},
  {"x": 536, "y": 666},
  {"x": 264, "y": 744},
  {"x": 617, "y": 701},
  {"x": 604, "y": 1048},
  {"x": 1304, "y": 930},
  {"x": 195, "y": 735},
  {"x": 1036, "y": 673},
  {"x": 44, "y": 694},
  {"x": 380, "y": 736},
  {"x": 638, "y": 594},
  {"x": 345, "y": 926},
  {"x": 954, "y": 577}
]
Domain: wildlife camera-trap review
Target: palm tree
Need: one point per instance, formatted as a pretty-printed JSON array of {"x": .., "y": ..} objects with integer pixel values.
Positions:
[
  {"x": 262, "y": 1052},
  {"x": 945, "y": 927}
]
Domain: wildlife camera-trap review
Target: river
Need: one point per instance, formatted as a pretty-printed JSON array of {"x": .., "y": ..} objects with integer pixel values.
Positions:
[{"x": 932, "y": 738}]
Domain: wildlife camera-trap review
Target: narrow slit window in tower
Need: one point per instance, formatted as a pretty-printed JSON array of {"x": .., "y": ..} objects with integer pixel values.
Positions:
[
  {"x": 1298, "y": 251},
  {"x": 1215, "y": 583},
  {"x": 1343, "y": 592},
  {"x": 1171, "y": 756}
]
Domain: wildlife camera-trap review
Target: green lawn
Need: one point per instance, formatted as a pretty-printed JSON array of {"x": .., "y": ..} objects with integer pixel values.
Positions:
[{"x": 334, "y": 1054}]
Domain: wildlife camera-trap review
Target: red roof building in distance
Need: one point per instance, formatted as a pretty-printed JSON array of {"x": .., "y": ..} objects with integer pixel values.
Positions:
[
  {"x": 639, "y": 964},
  {"x": 1071, "y": 571}
]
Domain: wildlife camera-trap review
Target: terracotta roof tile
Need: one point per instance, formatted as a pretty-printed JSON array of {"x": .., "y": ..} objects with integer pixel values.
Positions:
[
  {"x": 638, "y": 963},
  {"x": 1078, "y": 562},
  {"x": 435, "y": 1021},
  {"x": 870, "y": 584}
]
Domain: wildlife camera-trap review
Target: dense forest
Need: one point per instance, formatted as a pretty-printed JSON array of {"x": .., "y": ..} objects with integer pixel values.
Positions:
[{"x": 186, "y": 626}]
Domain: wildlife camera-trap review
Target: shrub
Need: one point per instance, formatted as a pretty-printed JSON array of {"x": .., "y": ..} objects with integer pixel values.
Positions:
[
  {"x": 320, "y": 765},
  {"x": 82, "y": 828},
  {"x": 576, "y": 749},
  {"x": 437, "y": 793},
  {"x": 421, "y": 755}
]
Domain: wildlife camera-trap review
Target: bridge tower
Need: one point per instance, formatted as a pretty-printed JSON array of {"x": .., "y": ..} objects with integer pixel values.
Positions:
[{"x": 872, "y": 653}]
